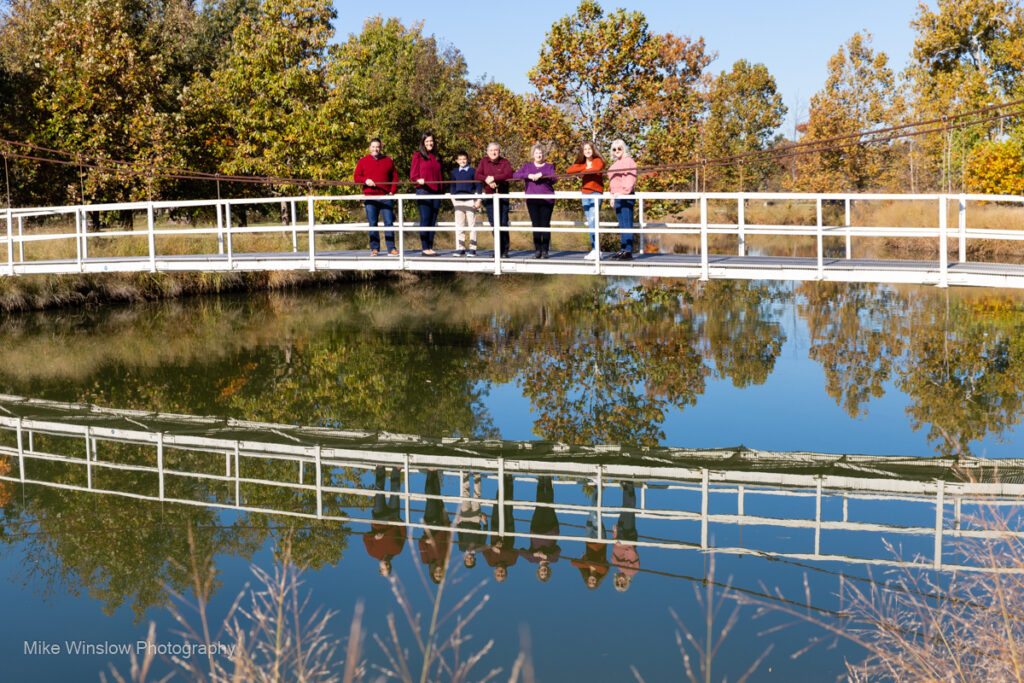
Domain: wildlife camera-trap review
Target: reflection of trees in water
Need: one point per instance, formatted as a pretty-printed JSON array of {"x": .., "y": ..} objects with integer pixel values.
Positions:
[
  {"x": 957, "y": 357},
  {"x": 605, "y": 366},
  {"x": 123, "y": 551}
]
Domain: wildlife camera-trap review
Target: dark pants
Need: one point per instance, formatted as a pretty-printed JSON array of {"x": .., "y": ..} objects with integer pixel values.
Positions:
[
  {"x": 510, "y": 522},
  {"x": 386, "y": 509},
  {"x": 540, "y": 215},
  {"x": 503, "y": 217},
  {"x": 544, "y": 519},
  {"x": 627, "y": 520},
  {"x": 434, "y": 512},
  {"x": 624, "y": 212},
  {"x": 428, "y": 208},
  {"x": 383, "y": 209}
]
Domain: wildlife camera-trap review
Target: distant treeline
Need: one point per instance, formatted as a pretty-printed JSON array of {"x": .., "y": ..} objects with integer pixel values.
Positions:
[{"x": 257, "y": 88}]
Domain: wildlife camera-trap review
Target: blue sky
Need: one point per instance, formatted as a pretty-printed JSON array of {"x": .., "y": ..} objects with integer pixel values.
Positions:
[{"x": 793, "y": 38}]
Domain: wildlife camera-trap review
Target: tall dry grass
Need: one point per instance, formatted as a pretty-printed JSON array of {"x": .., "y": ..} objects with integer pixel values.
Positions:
[
  {"x": 919, "y": 625},
  {"x": 275, "y": 635}
]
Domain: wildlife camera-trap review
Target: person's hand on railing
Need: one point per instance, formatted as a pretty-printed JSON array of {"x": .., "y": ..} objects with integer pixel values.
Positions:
[
  {"x": 420, "y": 181},
  {"x": 370, "y": 183}
]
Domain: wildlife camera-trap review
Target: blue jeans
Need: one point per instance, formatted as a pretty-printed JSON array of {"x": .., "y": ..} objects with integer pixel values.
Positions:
[
  {"x": 384, "y": 209},
  {"x": 624, "y": 212},
  {"x": 428, "y": 209},
  {"x": 592, "y": 210},
  {"x": 503, "y": 217}
]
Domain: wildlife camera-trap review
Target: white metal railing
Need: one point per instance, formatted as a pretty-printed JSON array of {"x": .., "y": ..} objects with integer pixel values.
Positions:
[
  {"x": 226, "y": 231},
  {"x": 227, "y": 472}
]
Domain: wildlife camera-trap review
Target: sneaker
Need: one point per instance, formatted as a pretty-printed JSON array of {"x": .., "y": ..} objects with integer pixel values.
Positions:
[
  {"x": 504, "y": 254},
  {"x": 592, "y": 255},
  {"x": 544, "y": 254},
  {"x": 374, "y": 252},
  {"x": 429, "y": 252},
  {"x": 471, "y": 253},
  {"x": 460, "y": 252},
  {"x": 393, "y": 252},
  {"x": 625, "y": 256}
]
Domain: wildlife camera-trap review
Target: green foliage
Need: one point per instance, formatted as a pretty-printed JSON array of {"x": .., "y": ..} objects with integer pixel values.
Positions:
[
  {"x": 263, "y": 112},
  {"x": 395, "y": 83},
  {"x": 744, "y": 109}
]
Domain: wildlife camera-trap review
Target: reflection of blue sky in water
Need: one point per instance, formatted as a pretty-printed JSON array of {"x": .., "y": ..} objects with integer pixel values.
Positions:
[{"x": 576, "y": 633}]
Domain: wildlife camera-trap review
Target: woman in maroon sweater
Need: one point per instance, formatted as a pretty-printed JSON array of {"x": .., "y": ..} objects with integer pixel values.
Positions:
[{"x": 426, "y": 173}]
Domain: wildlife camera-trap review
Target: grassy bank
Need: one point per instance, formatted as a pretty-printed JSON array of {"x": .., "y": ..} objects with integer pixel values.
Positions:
[{"x": 37, "y": 292}]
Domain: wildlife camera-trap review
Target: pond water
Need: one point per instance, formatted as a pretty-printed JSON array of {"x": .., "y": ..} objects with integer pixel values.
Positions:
[{"x": 808, "y": 367}]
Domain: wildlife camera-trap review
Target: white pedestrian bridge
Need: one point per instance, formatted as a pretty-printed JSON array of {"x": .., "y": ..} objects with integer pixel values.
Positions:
[
  {"x": 207, "y": 236},
  {"x": 825, "y": 507}
]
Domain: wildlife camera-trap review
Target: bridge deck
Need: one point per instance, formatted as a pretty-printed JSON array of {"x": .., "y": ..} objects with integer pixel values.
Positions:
[{"x": 560, "y": 262}]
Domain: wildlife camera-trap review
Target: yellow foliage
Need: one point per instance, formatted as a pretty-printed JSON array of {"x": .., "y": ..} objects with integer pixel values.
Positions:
[{"x": 996, "y": 168}]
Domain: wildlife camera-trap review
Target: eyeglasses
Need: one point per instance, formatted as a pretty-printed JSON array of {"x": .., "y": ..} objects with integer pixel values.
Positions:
[{"x": 618, "y": 149}]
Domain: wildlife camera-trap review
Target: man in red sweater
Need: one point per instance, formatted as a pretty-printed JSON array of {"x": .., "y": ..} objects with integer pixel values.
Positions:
[
  {"x": 377, "y": 174},
  {"x": 494, "y": 171}
]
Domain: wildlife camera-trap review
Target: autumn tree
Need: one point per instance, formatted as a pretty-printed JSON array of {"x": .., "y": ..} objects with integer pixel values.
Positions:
[
  {"x": 395, "y": 83},
  {"x": 98, "y": 70},
  {"x": 616, "y": 77},
  {"x": 967, "y": 55},
  {"x": 744, "y": 109},
  {"x": 856, "y": 98},
  {"x": 516, "y": 122},
  {"x": 263, "y": 111}
]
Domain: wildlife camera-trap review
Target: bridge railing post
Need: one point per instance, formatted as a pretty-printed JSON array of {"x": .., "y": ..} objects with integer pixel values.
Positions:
[
  {"x": 21, "y": 241},
  {"x": 295, "y": 227},
  {"x": 741, "y": 219},
  {"x": 597, "y": 240},
  {"x": 962, "y": 223},
  {"x": 704, "y": 238},
  {"x": 643, "y": 225},
  {"x": 501, "y": 492},
  {"x": 10, "y": 243},
  {"x": 496, "y": 227},
  {"x": 311, "y": 220},
  {"x": 79, "y": 229},
  {"x": 704, "y": 486},
  {"x": 821, "y": 248},
  {"x": 220, "y": 227},
  {"x": 152, "y": 237},
  {"x": 227, "y": 236},
  {"x": 401, "y": 233},
  {"x": 848, "y": 231},
  {"x": 939, "y": 513},
  {"x": 943, "y": 244}
]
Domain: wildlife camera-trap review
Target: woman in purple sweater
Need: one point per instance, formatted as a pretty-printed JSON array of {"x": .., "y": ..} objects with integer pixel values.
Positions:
[{"x": 540, "y": 179}]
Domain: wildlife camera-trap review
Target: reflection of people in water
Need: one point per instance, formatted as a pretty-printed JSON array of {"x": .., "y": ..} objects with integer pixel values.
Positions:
[
  {"x": 542, "y": 551},
  {"x": 593, "y": 565},
  {"x": 624, "y": 554},
  {"x": 501, "y": 554},
  {"x": 435, "y": 544},
  {"x": 471, "y": 520},
  {"x": 385, "y": 541}
]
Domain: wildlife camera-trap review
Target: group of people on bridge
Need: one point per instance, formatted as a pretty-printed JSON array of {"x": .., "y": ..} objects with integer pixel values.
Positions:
[
  {"x": 467, "y": 185},
  {"x": 387, "y": 535}
]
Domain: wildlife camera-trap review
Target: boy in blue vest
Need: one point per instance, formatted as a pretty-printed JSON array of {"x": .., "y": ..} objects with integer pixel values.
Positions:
[{"x": 465, "y": 207}]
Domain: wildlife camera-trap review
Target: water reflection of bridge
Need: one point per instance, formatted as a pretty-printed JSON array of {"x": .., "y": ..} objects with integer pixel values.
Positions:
[{"x": 321, "y": 473}]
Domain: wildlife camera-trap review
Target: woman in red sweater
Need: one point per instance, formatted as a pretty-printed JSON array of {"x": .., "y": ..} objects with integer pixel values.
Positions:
[
  {"x": 426, "y": 173},
  {"x": 590, "y": 163}
]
